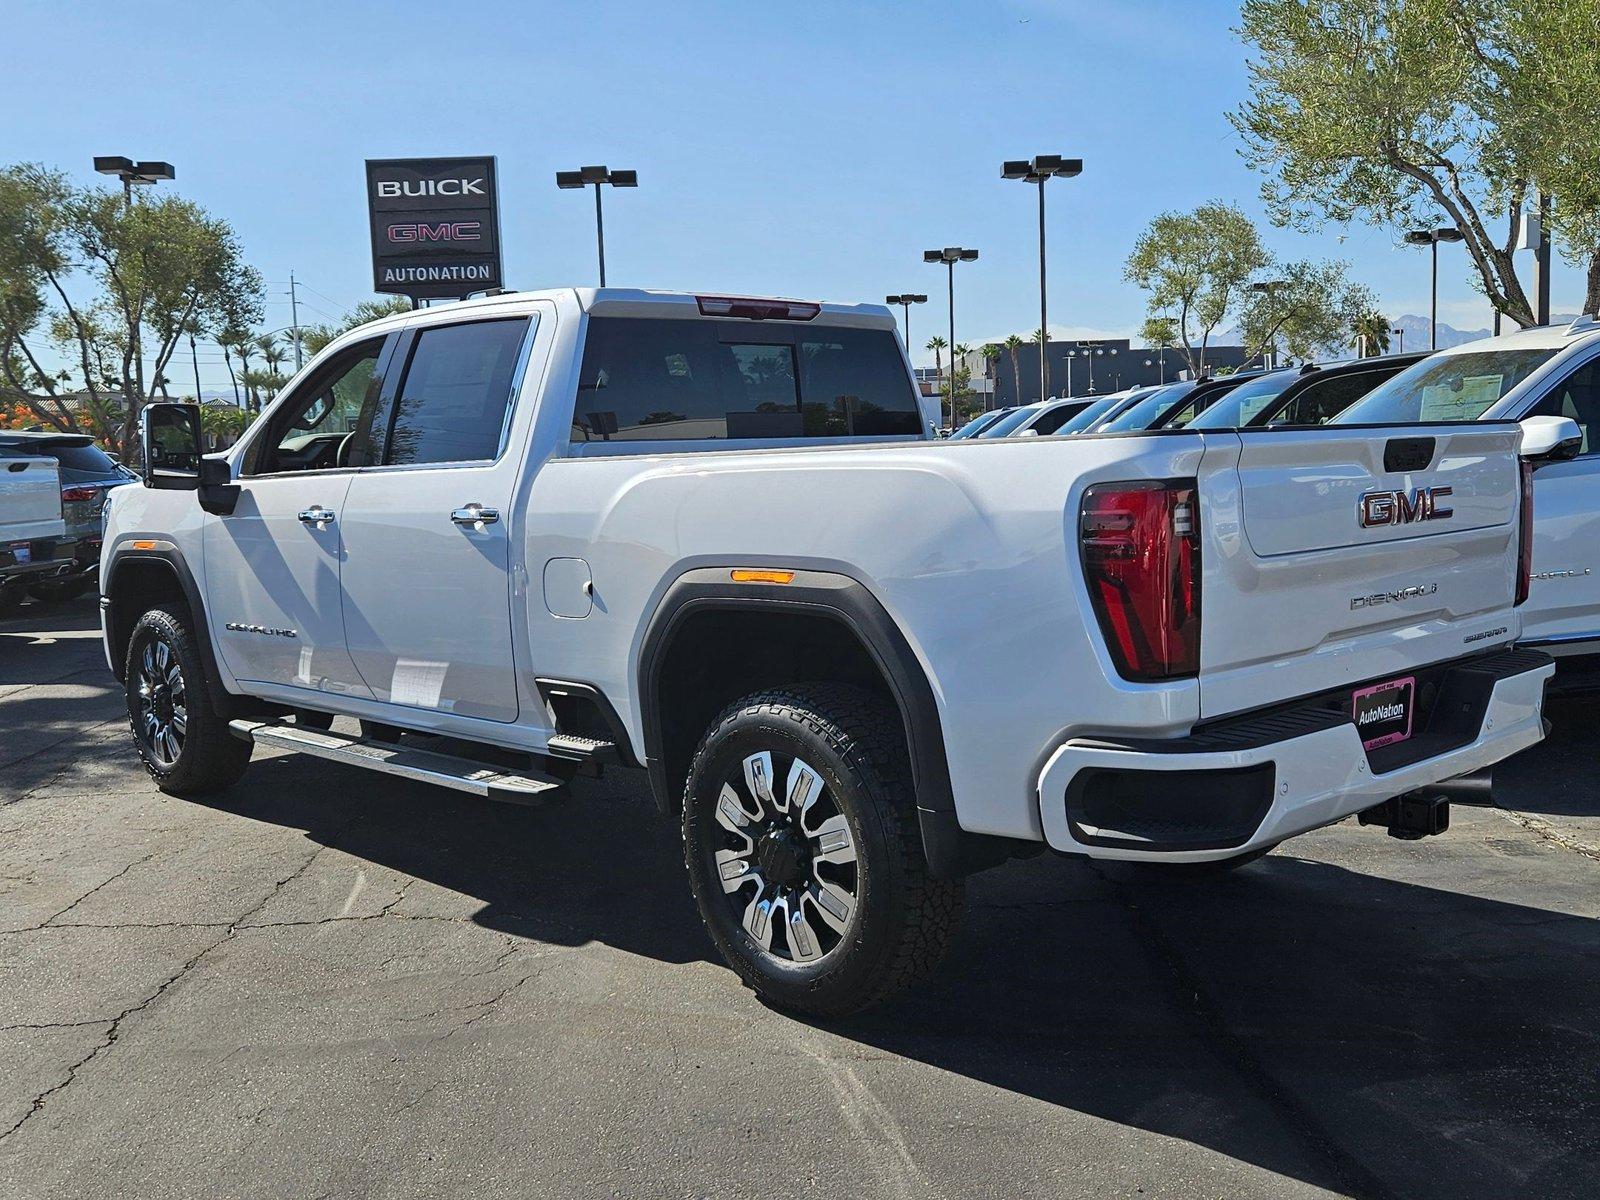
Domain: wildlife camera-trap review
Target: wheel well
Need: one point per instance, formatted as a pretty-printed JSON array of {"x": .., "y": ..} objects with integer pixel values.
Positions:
[
  {"x": 139, "y": 585},
  {"x": 717, "y": 656}
]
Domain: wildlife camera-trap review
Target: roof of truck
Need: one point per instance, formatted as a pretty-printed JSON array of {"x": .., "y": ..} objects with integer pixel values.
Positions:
[
  {"x": 1540, "y": 337},
  {"x": 614, "y": 301}
]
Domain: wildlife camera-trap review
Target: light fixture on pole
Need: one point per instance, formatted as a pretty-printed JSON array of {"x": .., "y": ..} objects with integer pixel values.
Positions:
[
  {"x": 130, "y": 172},
  {"x": 1090, "y": 349},
  {"x": 905, "y": 302},
  {"x": 1038, "y": 169},
  {"x": 1401, "y": 334},
  {"x": 950, "y": 256},
  {"x": 1269, "y": 289},
  {"x": 597, "y": 176},
  {"x": 1432, "y": 237}
]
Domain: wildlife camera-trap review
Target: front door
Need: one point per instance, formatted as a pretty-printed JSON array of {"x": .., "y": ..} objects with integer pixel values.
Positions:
[
  {"x": 272, "y": 566},
  {"x": 1563, "y": 606},
  {"x": 427, "y": 527}
]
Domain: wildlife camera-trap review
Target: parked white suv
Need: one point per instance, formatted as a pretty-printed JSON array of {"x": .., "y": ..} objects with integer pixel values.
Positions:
[
  {"x": 1549, "y": 372},
  {"x": 710, "y": 537}
]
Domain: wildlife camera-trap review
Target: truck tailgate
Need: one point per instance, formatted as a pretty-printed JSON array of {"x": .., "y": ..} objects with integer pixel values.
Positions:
[
  {"x": 1343, "y": 555},
  {"x": 30, "y": 499}
]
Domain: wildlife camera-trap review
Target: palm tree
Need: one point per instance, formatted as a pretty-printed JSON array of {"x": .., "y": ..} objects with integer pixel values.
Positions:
[
  {"x": 938, "y": 345},
  {"x": 271, "y": 351},
  {"x": 991, "y": 355},
  {"x": 1372, "y": 334},
  {"x": 1013, "y": 344}
]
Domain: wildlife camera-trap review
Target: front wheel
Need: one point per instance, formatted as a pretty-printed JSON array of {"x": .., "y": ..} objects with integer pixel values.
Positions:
[
  {"x": 801, "y": 840},
  {"x": 181, "y": 740}
]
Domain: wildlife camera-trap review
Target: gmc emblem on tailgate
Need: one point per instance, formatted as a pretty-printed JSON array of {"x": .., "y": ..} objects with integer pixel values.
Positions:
[{"x": 1402, "y": 507}]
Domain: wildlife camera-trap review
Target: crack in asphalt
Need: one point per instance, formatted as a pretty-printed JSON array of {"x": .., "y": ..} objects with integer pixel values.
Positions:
[
  {"x": 114, "y": 1027},
  {"x": 1547, "y": 832},
  {"x": 103, "y": 883}
]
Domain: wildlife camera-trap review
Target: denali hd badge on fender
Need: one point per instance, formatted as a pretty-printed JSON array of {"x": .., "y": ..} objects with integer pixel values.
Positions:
[{"x": 1402, "y": 507}]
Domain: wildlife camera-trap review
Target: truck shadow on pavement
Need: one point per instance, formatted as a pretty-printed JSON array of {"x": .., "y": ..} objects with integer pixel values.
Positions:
[{"x": 1368, "y": 1035}]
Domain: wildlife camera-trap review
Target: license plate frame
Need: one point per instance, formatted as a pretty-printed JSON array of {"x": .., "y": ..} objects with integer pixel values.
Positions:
[{"x": 1371, "y": 708}]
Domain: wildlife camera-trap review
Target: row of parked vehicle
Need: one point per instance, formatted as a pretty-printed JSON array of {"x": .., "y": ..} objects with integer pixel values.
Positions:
[{"x": 1549, "y": 372}]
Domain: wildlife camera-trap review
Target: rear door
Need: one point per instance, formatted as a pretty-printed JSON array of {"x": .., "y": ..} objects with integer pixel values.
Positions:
[
  {"x": 428, "y": 526},
  {"x": 1563, "y": 607},
  {"x": 1347, "y": 554}
]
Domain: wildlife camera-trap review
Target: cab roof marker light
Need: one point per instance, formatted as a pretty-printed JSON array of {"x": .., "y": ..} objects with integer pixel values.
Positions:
[
  {"x": 752, "y": 575},
  {"x": 755, "y": 309}
]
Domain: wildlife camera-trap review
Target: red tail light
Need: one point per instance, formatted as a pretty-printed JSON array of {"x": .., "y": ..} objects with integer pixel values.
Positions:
[
  {"x": 1525, "y": 536},
  {"x": 1141, "y": 558},
  {"x": 70, "y": 494}
]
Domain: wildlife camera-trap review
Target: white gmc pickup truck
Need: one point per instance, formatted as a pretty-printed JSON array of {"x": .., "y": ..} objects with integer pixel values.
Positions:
[{"x": 711, "y": 537}]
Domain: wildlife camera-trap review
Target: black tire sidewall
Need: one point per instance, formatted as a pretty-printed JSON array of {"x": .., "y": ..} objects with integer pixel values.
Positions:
[
  {"x": 850, "y": 968},
  {"x": 211, "y": 758}
]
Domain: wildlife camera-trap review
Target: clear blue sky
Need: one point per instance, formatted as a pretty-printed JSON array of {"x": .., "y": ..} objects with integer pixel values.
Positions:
[{"x": 793, "y": 149}]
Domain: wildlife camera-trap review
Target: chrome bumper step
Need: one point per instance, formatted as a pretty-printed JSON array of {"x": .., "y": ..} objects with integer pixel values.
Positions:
[{"x": 424, "y": 766}]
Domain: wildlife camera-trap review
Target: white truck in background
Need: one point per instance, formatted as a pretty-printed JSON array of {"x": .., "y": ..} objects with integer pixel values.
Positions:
[
  {"x": 33, "y": 532},
  {"x": 711, "y": 537}
]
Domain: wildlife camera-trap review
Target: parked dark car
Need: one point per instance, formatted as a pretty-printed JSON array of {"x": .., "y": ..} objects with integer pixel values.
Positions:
[
  {"x": 1173, "y": 406},
  {"x": 87, "y": 475},
  {"x": 1309, "y": 395},
  {"x": 976, "y": 426}
]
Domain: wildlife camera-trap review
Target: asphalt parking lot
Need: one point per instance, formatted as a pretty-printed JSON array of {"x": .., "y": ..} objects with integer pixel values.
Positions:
[{"x": 326, "y": 983}]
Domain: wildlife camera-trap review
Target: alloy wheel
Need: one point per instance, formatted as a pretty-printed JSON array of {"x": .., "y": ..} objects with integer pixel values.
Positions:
[
  {"x": 788, "y": 858},
  {"x": 163, "y": 714}
]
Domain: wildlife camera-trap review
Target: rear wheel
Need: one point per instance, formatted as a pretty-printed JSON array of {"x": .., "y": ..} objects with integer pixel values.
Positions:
[
  {"x": 801, "y": 841},
  {"x": 181, "y": 740}
]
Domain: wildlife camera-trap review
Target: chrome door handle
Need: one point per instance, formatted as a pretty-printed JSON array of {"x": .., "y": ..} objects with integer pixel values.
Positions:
[
  {"x": 317, "y": 515},
  {"x": 475, "y": 514}
]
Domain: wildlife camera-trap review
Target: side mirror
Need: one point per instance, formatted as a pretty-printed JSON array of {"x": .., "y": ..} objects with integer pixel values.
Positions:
[
  {"x": 1026, "y": 433},
  {"x": 170, "y": 436},
  {"x": 1550, "y": 439}
]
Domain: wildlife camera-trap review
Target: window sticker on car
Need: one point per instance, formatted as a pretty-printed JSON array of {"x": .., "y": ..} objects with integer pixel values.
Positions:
[{"x": 1440, "y": 402}]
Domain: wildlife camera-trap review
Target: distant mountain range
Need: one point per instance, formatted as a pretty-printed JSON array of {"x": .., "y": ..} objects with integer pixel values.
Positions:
[{"x": 1416, "y": 333}]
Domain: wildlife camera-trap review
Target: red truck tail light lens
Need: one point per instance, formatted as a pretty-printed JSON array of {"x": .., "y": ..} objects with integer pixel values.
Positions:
[
  {"x": 1141, "y": 560},
  {"x": 71, "y": 494},
  {"x": 1525, "y": 536}
]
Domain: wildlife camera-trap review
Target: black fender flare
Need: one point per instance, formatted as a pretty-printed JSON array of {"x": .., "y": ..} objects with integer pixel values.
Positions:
[
  {"x": 950, "y": 851},
  {"x": 175, "y": 563}
]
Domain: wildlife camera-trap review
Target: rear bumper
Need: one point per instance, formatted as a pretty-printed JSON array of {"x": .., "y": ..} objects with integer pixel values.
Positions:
[
  {"x": 39, "y": 556},
  {"x": 1240, "y": 785}
]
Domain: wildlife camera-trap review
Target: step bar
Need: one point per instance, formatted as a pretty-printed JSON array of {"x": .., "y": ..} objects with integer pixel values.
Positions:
[{"x": 423, "y": 766}]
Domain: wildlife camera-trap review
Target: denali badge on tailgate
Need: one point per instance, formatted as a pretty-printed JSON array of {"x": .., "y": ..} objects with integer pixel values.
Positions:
[{"x": 1402, "y": 507}]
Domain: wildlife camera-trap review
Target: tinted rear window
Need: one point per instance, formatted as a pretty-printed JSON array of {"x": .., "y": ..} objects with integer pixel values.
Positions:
[
  {"x": 1245, "y": 402},
  {"x": 650, "y": 379},
  {"x": 78, "y": 464}
]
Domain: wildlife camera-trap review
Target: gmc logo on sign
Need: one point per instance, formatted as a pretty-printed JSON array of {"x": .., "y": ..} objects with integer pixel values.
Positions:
[
  {"x": 1402, "y": 507},
  {"x": 444, "y": 231}
]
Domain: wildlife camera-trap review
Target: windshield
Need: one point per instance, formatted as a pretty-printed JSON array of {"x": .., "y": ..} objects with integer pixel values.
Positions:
[
  {"x": 1246, "y": 401},
  {"x": 1145, "y": 413},
  {"x": 1012, "y": 420},
  {"x": 1451, "y": 387},
  {"x": 978, "y": 424},
  {"x": 1088, "y": 416}
]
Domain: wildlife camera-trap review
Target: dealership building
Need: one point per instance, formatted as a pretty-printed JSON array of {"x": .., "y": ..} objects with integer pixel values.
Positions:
[{"x": 1082, "y": 368}]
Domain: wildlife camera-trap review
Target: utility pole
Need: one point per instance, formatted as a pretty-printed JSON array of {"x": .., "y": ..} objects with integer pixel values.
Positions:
[
  {"x": 1541, "y": 265},
  {"x": 194, "y": 357},
  {"x": 294, "y": 320}
]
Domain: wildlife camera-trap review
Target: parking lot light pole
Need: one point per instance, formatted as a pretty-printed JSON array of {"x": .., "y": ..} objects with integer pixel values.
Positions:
[
  {"x": 950, "y": 256},
  {"x": 1432, "y": 237},
  {"x": 1269, "y": 289},
  {"x": 905, "y": 302},
  {"x": 1089, "y": 347},
  {"x": 131, "y": 173},
  {"x": 598, "y": 177},
  {"x": 1037, "y": 170}
]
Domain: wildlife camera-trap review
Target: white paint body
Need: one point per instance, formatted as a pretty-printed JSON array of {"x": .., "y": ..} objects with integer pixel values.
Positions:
[
  {"x": 30, "y": 498},
  {"x": 971, "y": 547}
]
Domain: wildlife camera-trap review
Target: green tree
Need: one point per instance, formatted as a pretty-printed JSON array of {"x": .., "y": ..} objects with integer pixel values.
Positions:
[
  {"x": 1013, "y": 344},
  {"x": 1310, "y": 307},
  {"x": 991, "y": 358},
  {"x": 1394, "y": 111},
  {"x": 315, "y": 338},
  {"x": 111, "y": 288},
  {"x": 1370, "y": 331},
  {"x": 1197, "y": 265},
  {"x": 938, "y": 345}
]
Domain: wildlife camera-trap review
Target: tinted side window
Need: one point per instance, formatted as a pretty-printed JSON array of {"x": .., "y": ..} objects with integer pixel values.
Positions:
[
  {"x": 1324, "y": 399},
  {"x": 452, "y": 402},
  {"x": 649, "y": 379},
  {"x": 1577, "y": 396},
  {"x": 82, "y": 463},
  {"x": 318, "y": 425}
]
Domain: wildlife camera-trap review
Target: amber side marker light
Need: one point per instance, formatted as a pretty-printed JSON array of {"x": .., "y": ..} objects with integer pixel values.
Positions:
[
  {"x": 747, "y": 576},
  {"x": 143, "y": 545}
]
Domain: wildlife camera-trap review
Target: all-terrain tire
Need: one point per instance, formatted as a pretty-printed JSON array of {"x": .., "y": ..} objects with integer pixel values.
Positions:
[
  {"x": 902, "y": 918},
  {"x": 208, "y": 757}
]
